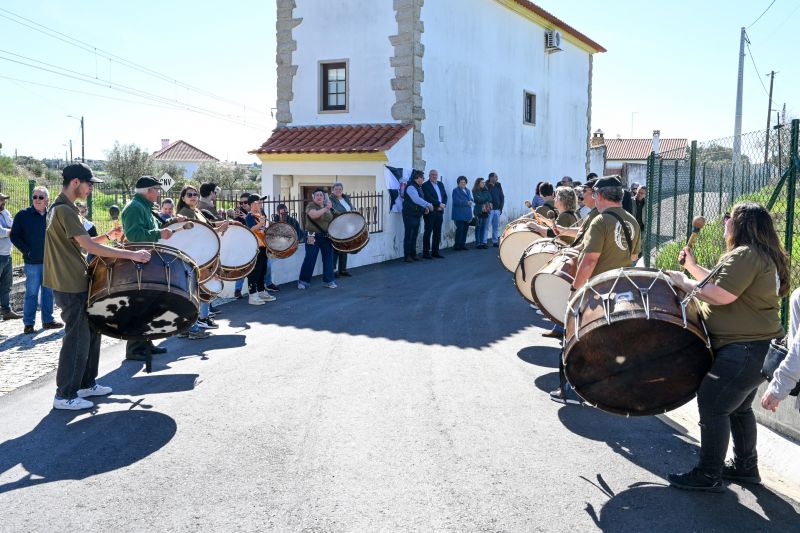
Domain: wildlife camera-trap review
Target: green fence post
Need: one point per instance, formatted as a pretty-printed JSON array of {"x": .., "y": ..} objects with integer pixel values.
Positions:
[
  {"x": 89, "y": 203},
  {"x": 733, "y": 184},
  {"x": 692, "y": 177},
  {"x": 719, "y": 211},
  {"x": 790, "y": 199},
  {"x": 651, "y": 163},
  {"x": 675, "y": 204},
  {"x": 703, "y": 193},
  {"x": 31, "y": 186},
  {"x": 660, "y": 187}
]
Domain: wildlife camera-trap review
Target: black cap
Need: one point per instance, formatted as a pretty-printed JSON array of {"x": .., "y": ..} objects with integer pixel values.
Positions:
[
  {"x": 146, "y": 182},
  {"x": 79, "y": 171},
  {"x": 607, "y": 181},
  {"x": 590, "y": 183},
  {"x": 253, "y": 198}
]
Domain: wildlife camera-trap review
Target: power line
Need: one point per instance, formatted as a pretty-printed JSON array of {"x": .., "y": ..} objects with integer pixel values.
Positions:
[
  {"x": 758, "y": 73},
  {"x": 119, "y": 59},
  {"x": 761, "y": 15}
]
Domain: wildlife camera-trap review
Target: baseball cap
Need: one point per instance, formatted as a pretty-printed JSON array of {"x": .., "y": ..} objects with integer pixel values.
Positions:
[
  {"x": 79, "y": 171},
  {"x": 146, "y": 182},
  {"x": 607, "y": 181},
  {"x": 4, "y": 196}
]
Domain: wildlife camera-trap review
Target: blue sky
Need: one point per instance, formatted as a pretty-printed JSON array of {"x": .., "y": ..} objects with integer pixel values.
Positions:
[{"x": 672, "y": 64}]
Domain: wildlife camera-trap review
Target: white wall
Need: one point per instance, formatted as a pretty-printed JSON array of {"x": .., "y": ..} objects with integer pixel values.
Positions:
[
  {"x": 357, "y": 30},
  {"x": 479, "y": 58}
]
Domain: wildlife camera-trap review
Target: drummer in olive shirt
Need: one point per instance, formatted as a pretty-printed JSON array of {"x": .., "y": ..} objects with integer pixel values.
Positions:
[
  {"x": 740, "y": 310},
  {"x": 65, "y": 271},
  {"x": 606, "y": 245}
]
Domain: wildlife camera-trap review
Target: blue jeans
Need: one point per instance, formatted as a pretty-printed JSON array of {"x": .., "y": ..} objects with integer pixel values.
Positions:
[
  {"x": 321, "y": 244},
  {"x": 239, "y": 284},
  {"x": 494, "y": 219},
  {"x": 5, "y": 282},
  {"x": 480, "y": 230},
  {"x": 33, "y": 284},
  {"x": 204, "y": 308},
  {"x": 268, "y": 275}
]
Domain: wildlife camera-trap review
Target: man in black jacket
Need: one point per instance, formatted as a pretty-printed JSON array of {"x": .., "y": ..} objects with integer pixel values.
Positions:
[
  {"x": 27, "y": 234},
  {"x": 498, "y": 198},
  {"x": 433, "y": 191}
]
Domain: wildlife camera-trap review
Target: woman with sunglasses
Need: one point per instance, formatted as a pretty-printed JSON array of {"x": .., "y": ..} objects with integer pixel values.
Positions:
[{"x": 740, "y": 308}]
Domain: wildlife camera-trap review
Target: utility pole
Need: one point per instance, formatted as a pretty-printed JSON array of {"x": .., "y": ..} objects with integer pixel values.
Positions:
[
  {"x": 769, "y": 116},
  {"x": 72, "y": 160},
  {"x": 83, "y": 153},
  {"x": 737, "y": 128}
]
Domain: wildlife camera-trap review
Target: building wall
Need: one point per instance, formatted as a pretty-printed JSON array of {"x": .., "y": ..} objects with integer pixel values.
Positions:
[
  {"x": 356, "y": 30},
  {"x": 475, "y": 73}
]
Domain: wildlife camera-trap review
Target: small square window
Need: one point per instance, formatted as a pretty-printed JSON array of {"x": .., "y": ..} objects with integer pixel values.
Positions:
[
  {"x": 529, "y": 109},
  {"x": 333, "y": 81}
]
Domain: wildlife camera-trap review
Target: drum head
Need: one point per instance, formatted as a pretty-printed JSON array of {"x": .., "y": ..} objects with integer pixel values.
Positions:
[
  {"x": 142, "y": 314},
  {"x": 552, "y": 294},
  {"x": 201, "y": 243},
  {"x": 513, "y": 246},
  {"x": 212, "y": 286},
  {"x": 535, "y": 257},
  {"x": 238, "y": 246},
  {"x": 280, "y": 236},
  {"x": 346, "y": 226}
]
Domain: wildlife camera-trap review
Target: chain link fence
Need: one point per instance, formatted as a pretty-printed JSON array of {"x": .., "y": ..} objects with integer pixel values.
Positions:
[{"x": 707, "y": 180}]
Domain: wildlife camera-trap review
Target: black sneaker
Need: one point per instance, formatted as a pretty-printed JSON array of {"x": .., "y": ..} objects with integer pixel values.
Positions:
[
  {"x": 734, "y": 472},
  {"x": 695, "y": 479},
  {"x": 238, "y": 294},
  {"x": 207, "y": 323},
  {"x": 272, "y": 287}
]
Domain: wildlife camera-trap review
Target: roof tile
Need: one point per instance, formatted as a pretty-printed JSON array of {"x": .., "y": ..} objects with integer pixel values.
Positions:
[
  {"x": 343, "y": 138},
  {"x": 629, "y": 149},
  {"x": 182, "y": 151}
]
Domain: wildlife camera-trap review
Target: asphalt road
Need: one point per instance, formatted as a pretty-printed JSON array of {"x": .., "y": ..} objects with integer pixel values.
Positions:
[{"x": 411, "y": 398}]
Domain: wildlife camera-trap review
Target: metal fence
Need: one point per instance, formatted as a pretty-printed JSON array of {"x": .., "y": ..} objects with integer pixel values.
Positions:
[
  {"x": 708, "y": 180},
  {"x": 369, "y": 204}
]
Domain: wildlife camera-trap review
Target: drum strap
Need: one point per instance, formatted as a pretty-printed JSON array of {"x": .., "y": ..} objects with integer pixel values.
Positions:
[{"x": 622, "y": 223}]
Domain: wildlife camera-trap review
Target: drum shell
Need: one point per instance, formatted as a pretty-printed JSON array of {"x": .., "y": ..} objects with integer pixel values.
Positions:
[
  {"x": 641, "y": 359},
  {"x": 240, "y": 237},
  {"x": 163, "y": 290},
  {"x": 287, "y": 230},
  {"x": 514, "y": 243},
  {"x": 354, "y": 243},
  {"x": 208, "y": 293},
  {"x": 535, "y": 257},
  {"x": 234, "y": 273},
  {"x": 560, "y": 272},
  {"x": 201, "y": 234}
]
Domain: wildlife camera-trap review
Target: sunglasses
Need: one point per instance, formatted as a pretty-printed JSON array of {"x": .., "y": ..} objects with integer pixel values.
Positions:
[
  {"x": 243, "y": 202},
  {"x": 191, "y": 194},
  {"x": 726, "y": 217},
  {"x": 39, "y": 197}
]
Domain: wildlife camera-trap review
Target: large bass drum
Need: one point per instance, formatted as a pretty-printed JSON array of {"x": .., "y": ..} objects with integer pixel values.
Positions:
[
  {"x": 552, "y": 284},
  {"x": 281, "y": 240},
  {"x": 633, "y": 346},
  {"x": 514, "y": 241},
  {"x": 201, "y": 243},
  {"x": 137, "y": 301},
  {"x": 237, "y": 252},
  {"x": 533, "y": 259},
  {"x": 348, "y": 232}
]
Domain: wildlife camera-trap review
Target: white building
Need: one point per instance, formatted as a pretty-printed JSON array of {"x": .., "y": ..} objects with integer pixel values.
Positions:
[
  {"x": 183, "y": 155},
  {"x": 463, "y": 86}
]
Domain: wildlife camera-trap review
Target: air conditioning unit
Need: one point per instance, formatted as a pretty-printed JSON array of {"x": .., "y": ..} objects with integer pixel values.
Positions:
[{"x": 552, "y": 41}]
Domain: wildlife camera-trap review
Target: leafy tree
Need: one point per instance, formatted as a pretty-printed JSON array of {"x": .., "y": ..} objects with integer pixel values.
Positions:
[
  {"x": 7, "y": 165},
  {"x": 126, "y": 163},
  {"x": 227, "y": 177}
]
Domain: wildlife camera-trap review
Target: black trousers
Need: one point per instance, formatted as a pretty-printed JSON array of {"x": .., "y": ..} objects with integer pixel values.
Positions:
[
  {"x": 80, "y": 348},
  {"x": 411, "y": 226},
  {"x": 255, "y": 279},
  {"x": 462, "y": 226},
  {"x": 433, "y": 228},
  {"x": 725, "y": 401},
  {"x": 340, "y": 258}
]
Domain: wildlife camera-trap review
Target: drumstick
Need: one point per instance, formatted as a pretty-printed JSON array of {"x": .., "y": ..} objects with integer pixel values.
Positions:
[
  {"x": 186, "y": 225},
  {"x": 697, "y": 224}
]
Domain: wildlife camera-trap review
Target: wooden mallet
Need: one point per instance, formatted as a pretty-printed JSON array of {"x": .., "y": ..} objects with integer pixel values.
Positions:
[
  {"x": 186, "y": 225},
  {"x": 697, "y": 224}
]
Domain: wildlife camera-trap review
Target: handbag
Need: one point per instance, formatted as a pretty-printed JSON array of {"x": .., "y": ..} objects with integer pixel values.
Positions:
[
  {"x": 775, "y": 355},
  {"x": 473, "y": 222}
]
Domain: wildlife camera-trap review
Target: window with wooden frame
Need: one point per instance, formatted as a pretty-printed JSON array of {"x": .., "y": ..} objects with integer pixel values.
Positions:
[
  {"x": 529, "y": 108},
  {"x": 333, "y": 94}
]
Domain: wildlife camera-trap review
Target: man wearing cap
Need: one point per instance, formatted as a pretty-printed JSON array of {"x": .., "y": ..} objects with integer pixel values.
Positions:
[
  {"x": 6, "y": 277},
  {"x": 27, "y": 235},
  {"x": 141, "y": 225},
  {"x": 66, "y": 272}
]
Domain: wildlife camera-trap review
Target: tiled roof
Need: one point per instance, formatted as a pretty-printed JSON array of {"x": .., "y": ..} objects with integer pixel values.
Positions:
[
  {"x": 333, "y": 139},
  {"x": 182, "y": 151},
  {"x": 560, "y": 24},
  {"x": 627, "y": 149}
]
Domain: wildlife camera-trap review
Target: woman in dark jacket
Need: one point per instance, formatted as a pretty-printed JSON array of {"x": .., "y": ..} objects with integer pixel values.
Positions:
[
  {"x": 462, "y": 212},
  {"x": 483, "y": 205}
]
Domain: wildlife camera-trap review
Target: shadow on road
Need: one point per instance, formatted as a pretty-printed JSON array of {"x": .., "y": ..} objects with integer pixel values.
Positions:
[
  {"x": 656, "y": 447},
  {"x": 544, "y": 356}
]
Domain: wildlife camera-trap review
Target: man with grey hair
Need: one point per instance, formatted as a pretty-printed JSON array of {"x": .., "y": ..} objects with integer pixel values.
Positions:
[
  {"x": 433, "y": 192},
  {"x": 28, "y": 234}
]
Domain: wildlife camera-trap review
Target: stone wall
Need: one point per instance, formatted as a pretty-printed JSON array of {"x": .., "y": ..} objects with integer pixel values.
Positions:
[
  {"x": 409, "y": 73},
  {"x": 283, "y": 58}
]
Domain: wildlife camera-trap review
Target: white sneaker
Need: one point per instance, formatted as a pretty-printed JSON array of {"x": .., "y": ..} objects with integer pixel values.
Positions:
[
  {"x": 301, "y": 285},
  {"x": 71, "y": 405},
  {"x": 331, "y": 285},
  {"x": 97, "y": 390},
  {"x": 253, "y": 299},
  {"x": 267, "y": 297}
]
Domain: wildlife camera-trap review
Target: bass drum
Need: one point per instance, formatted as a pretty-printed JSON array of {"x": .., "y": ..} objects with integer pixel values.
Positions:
[
  {"x": 516, "y": 239},
  {"x": 201, "y": 243},
  {"x": 138, "y": 301},
  {"x": 281, "y": 240},
  {"x": 348, "y": 232},
  {"x": 633, "y": 347},
  {"x": 237, "y": 253},
  {"x": 533, "y": 259},
  {"x": 552, "y": 284},
  {"x": 211, "y": 289}
]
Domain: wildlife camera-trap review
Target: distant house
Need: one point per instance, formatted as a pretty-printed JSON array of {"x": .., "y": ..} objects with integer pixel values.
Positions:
[
  {"x": 183, "y": 155},
  {"x": 628, "y": 157}
]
